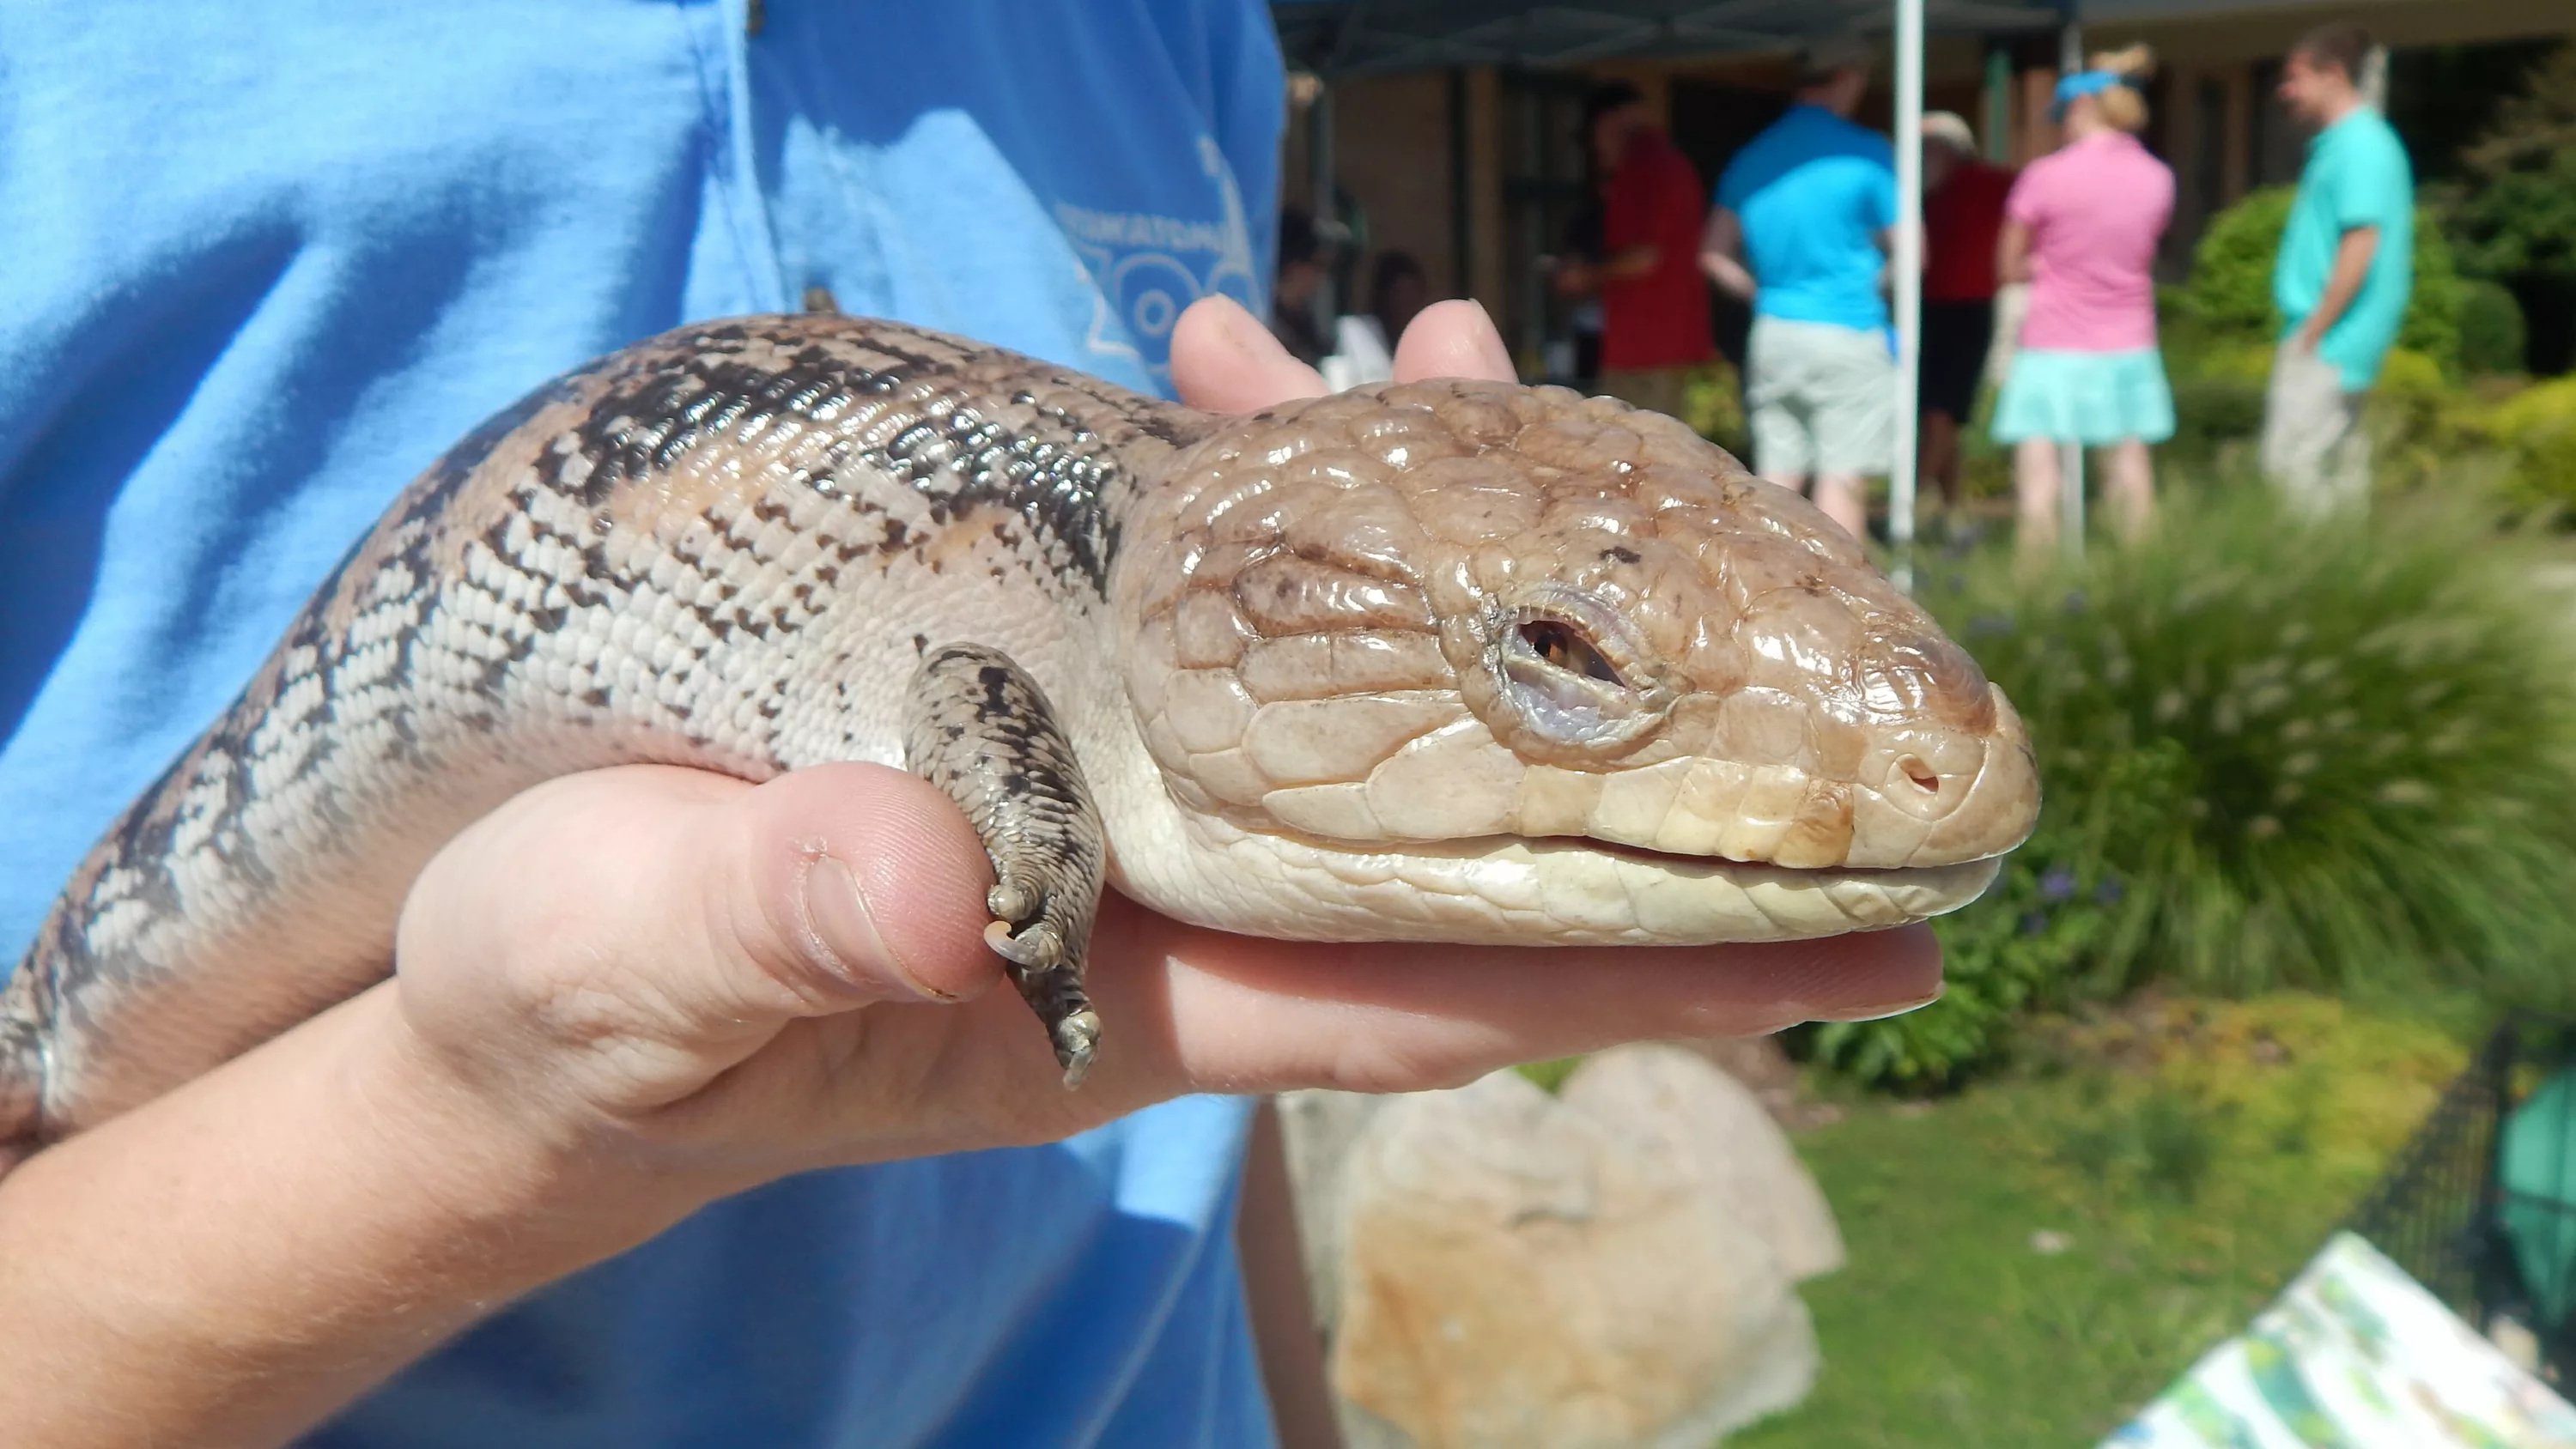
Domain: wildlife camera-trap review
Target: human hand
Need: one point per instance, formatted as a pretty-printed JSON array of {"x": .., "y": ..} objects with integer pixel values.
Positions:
[{"x": 681, "y": 984}]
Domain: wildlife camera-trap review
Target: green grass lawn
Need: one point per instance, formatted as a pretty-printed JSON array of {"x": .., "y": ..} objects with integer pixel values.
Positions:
[{"x": 2192, "y": 1154}]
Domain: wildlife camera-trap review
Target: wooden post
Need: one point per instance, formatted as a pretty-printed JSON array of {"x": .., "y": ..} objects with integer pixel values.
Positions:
[
  {"x": 1485, "y": 188},
  {"x": 2038, "y": 134},
  {"x": 2236, "y": 159}
]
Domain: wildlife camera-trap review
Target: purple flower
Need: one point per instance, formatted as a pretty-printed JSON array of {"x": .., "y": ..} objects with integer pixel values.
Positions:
[
  {"x": 2108, "y": 893},
  {"x": 2034, "y": 923},
  {"x": 2075, "y": 601},
  {"x": 2057, "y": 884},
  {"x": 1986, "y": 624}
]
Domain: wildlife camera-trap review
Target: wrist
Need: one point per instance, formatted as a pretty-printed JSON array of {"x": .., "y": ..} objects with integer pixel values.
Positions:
[
  {"x": 233, "y": 1260},
  {"x": 564, "y": 1186}
]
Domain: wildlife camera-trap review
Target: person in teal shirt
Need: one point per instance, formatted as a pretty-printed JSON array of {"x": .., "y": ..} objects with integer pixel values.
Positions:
[
  {"x": 2343, "y": 276},
  {"x": 1799, "y": 229}
]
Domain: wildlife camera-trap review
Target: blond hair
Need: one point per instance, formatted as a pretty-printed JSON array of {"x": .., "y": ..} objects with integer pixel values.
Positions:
[{"x": 2125, "y": 105}]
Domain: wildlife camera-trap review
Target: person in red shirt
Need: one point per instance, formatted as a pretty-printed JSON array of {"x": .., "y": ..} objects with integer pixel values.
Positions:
[
  {"x": 1963, "y": 214},
  {"x": 1654, "y": 305}
]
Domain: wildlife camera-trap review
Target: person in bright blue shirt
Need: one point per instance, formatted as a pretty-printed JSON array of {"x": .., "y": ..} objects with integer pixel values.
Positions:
[
  {"x": 1799, "y": 229},
  {"x": 800, "y": 1179},
  {"x": 2343, "y": 276}
]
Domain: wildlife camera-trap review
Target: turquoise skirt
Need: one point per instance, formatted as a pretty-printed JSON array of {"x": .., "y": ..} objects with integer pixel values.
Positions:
[{"x": 2085, "y": 397}]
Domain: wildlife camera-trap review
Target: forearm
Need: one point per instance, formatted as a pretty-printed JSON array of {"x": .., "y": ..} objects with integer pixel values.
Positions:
[
  {"x": 2351, "y": 266},
  {"x": 2012, "y": 254},
  {"x": 1632, "y": 263},
  {"x": 232, "y": 1262},
  {"x": 1728, "y": 273},
  {"x": 1274, "y": 1287},
  {"x": 1721, "y": 246}
]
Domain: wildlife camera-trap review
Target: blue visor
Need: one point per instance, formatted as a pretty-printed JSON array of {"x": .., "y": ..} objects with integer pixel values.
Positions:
[{"x": 2082, "y": 83}]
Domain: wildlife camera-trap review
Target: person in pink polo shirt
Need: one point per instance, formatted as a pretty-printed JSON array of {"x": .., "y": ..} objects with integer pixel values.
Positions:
[{"x": 2081, "y": 228}]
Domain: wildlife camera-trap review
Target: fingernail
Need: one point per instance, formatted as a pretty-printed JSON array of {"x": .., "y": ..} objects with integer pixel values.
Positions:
[
  {"x": 837, "y": 916},
  {"x": 1242, "y": 331},
  {"x": 1882, "y": 1013},
  {"x": 1498, "y": 353}
]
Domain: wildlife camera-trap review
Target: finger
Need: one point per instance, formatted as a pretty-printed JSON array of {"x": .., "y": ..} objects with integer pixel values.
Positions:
[
  {"x": 1402, "y": 1018},
  {"x": 1224, "y": 360},
  {"x": 1192, "y": 1010},
  {"x": 1453, "y": 339}
]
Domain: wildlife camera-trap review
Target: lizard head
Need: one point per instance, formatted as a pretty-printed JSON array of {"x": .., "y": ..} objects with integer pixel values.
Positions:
[{"x": 1508, "y": 663}]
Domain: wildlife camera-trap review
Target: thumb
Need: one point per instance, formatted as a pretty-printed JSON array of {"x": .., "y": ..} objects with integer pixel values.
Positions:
[
  {"x": 666, "y": 923},
  {"x": 856, "y": 883}
]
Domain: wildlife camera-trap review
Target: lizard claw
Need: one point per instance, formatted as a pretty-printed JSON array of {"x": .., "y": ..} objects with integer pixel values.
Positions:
[
  {"x": 1038, "y": 948},
  {"x": 1075, "y": 1038},
  {"x": 1011, "y": 903}
]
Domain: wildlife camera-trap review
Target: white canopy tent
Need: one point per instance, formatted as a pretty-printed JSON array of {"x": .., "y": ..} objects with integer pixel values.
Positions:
[{"x": 1336, "y": 39}]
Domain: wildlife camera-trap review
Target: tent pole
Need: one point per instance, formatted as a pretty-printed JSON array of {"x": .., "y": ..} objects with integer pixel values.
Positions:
[{"x": 1907, "y": 265}]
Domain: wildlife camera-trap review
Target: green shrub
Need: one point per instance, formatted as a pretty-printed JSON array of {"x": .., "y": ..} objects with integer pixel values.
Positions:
[
  {"x": 2422, "y": 434},
  {"x": 2517, "y": 216},
  {"x": 2492, "y": 334},
  {"x": 2229, "y": 296},
  {"x": 2057, "y": 904},
  {"x": 1713, "y": 404},
  {"x": 2364, "y": 740},
  {"x": 2211, "y": 411},
  {"x": 2230, "y": 291},
  {"x": 2335, "y": 755},
  {"x": 2432, "y": 322},
  {"x": 2536, "y": 431}
]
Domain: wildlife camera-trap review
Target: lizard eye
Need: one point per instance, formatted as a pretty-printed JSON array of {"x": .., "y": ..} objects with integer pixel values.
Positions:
[
  {"x": 1562, "y": 645},
  {"x": 1570, "y": 673}
]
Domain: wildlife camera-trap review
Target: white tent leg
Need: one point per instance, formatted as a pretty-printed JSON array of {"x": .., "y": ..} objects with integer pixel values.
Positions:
[{"x": 1907, "y": 266}]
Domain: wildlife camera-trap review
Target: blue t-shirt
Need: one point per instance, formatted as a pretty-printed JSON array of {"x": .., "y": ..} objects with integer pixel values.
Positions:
[
  {"x": 2357, "y": 175},
  {"x": 266, "y": 259},
  {"x": 1813, "y": 192}
]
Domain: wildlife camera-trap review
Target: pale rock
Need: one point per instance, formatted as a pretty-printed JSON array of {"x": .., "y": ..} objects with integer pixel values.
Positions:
[
  {"x": 1673, "y": 1103},
  {"x": 1505, "y": 1269}
]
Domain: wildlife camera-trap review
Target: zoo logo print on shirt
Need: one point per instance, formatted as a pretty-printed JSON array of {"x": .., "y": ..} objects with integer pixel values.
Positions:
[{"x": 1145, "y": 268}]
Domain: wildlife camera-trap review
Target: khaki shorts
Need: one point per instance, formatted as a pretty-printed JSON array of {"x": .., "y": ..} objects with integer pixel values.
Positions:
[
  {"x": 1822, "y": 399},
  {"x": 2315, "y": 449}
]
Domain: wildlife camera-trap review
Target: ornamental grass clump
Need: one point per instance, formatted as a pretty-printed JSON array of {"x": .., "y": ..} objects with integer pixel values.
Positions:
[{"x": 2276, "y": 753}]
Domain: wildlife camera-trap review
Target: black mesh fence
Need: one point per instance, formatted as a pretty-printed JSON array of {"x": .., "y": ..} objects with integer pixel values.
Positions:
[{"x": 2444, "y": 1214}]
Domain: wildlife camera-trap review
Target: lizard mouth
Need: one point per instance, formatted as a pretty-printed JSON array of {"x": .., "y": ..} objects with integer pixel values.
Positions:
[{"x": 1575, "y": 890}]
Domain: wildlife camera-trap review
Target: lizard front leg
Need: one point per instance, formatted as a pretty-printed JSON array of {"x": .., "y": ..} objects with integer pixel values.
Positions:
[{"x": 982, "y": 731}]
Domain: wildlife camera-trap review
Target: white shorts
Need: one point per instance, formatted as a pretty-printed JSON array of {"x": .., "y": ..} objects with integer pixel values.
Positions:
[
  {"x": 1822, "y": 399},
  {"x": 2315, "y": 448}
]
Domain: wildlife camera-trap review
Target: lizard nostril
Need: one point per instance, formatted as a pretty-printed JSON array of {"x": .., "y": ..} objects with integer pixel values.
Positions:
[{"x": 1921, "y": 774}]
